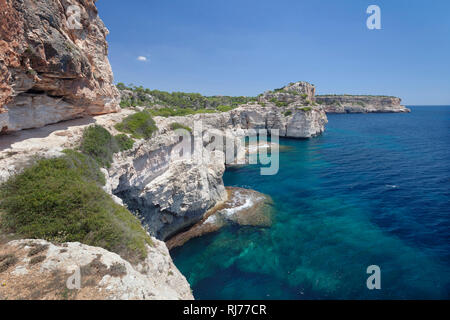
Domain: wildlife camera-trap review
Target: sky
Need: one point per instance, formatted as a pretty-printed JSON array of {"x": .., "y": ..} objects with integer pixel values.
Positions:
[{"x": 246, "y": 47}]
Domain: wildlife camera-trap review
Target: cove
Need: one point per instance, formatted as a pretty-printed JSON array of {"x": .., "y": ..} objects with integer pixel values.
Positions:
[{"x": 372, "y": 190}]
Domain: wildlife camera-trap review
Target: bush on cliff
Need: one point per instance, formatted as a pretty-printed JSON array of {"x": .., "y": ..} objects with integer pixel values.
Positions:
[
  {"x": 176, "y": 125},
  {"x": 178, "y": 112},
  {"x": 225, "y": 108},
  {"x": 99, "y": 144},
  {"x": 124, "y": 142},
  {"x": 179, "y": 100},
  {"x": 61, "y": 200},
  {"x": 140, "y": 125}
]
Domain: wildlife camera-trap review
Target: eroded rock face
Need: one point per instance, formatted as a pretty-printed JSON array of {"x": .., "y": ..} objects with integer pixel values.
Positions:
[
  {"x": 49, "y": 70},
  {"x": 360, "y": 104},
  {"x": 292, "y": 122},
  {"x": 172, "y": 194},
  {"x": 37, "y": 269},
  {"x": 169, "y": 193}
]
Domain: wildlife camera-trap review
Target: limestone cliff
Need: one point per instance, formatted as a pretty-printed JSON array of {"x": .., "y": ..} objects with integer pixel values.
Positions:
[
  {"x": 173, "y": 194},
  {"x": 169, "y": 194},
  {"x": 104, "y": 275},
  {"x": 53, "y": 63},
  {"x": 292, "y": 122},
  {"x": 37, "y": 269},
  {"x": 360, "y": 104}
]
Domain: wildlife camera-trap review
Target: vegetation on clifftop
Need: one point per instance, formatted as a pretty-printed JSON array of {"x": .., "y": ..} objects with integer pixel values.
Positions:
[
  {"x": 100, "y": 145},
  {"x": 177, "y": 112},
  {"x": 124, "y": 142},
  {"x": 179, "y": 100},
  {"x": 176, "y": 126},
  {"x": 61, "y": 200},
  {"x": 140, "y": 125}
]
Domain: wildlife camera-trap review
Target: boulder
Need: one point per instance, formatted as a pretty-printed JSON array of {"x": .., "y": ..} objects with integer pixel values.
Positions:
[
  {"x": 49, "y": 70},
  {"x": 39, "y": 270}
]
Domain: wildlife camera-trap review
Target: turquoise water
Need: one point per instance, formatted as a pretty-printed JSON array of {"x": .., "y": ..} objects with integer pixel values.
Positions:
[{"x": 373, "y": 190}]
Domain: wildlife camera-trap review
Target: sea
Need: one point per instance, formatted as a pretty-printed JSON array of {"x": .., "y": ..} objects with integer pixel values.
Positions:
[{"x": 373, "y": 190}]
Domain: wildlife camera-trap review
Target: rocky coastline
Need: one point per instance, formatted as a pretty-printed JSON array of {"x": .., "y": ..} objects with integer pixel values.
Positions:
[
  {"x": 169, "y": 195},
  {"x": 361, "y": 104},
  {"x": 56, "y": 82}
]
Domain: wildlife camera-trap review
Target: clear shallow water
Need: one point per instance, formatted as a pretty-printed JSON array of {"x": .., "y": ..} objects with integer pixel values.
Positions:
[{"x": 374, "y": 189}]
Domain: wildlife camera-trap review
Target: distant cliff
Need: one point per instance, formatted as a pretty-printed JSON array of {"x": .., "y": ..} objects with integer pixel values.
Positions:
[
  {"x": 50, "y": 71},
  {"x": 296, "y": 95},
  {"x": 360, "y": 104}
]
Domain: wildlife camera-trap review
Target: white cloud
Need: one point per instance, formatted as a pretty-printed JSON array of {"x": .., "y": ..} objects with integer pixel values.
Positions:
[{"x": 142, "y": 58}]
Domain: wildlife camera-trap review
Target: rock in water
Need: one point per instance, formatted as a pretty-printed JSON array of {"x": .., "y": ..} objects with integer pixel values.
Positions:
[
  {"x": 247, "y": 208},
  {"x": 244, "y": 207},
  {"x": 50, "y": 71}
]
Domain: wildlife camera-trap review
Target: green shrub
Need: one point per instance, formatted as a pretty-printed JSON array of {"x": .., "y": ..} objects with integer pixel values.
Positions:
[
  {"x": 305, "y": 109},
  {"x": 176, "y": 125},
  {"x": 61, "y": 200},
  {"x": 125, "y": 103},
  {"x": 205, "y": 111},
  {"x": 225, "y": 108},
  {"x": 124, "y": 142},
  {"x": 180, "y": 100},
  {"x": 288, "y": 113},
  {"x": 281, "y": 104},
  {"x": 177, "y": 112},
  {"x": 139, "y": 125},
  {"x": 163, "y": 112},
  {"x": 121, "y": 86},
  {"x": 99, "y": 144}
]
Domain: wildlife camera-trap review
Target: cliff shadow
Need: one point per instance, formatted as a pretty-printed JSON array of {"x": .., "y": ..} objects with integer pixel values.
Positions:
[{"x": 8, "y": 139}]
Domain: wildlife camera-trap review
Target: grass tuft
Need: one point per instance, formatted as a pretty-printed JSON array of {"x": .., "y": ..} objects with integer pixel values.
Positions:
[
  {"x": 99, "y": 144},
  {"x": 225, "y": 108},
  {"x": 7, "y": 261},
  {"x": 124, "y": 142},
  {"x": 174, "y": 126},
  {"x": 140, "y": 125}
]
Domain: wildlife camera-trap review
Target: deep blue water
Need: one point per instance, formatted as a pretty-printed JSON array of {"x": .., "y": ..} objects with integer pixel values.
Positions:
[{"x": 373, "y": 190}]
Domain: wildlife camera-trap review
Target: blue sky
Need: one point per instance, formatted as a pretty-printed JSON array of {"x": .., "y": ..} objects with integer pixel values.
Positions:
[{"x": 245, "y": 47}]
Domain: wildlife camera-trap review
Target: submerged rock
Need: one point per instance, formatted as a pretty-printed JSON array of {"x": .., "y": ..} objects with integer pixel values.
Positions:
[
  {"x": 244, "y": 207},
  {"x": 247, "y": 208}
]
